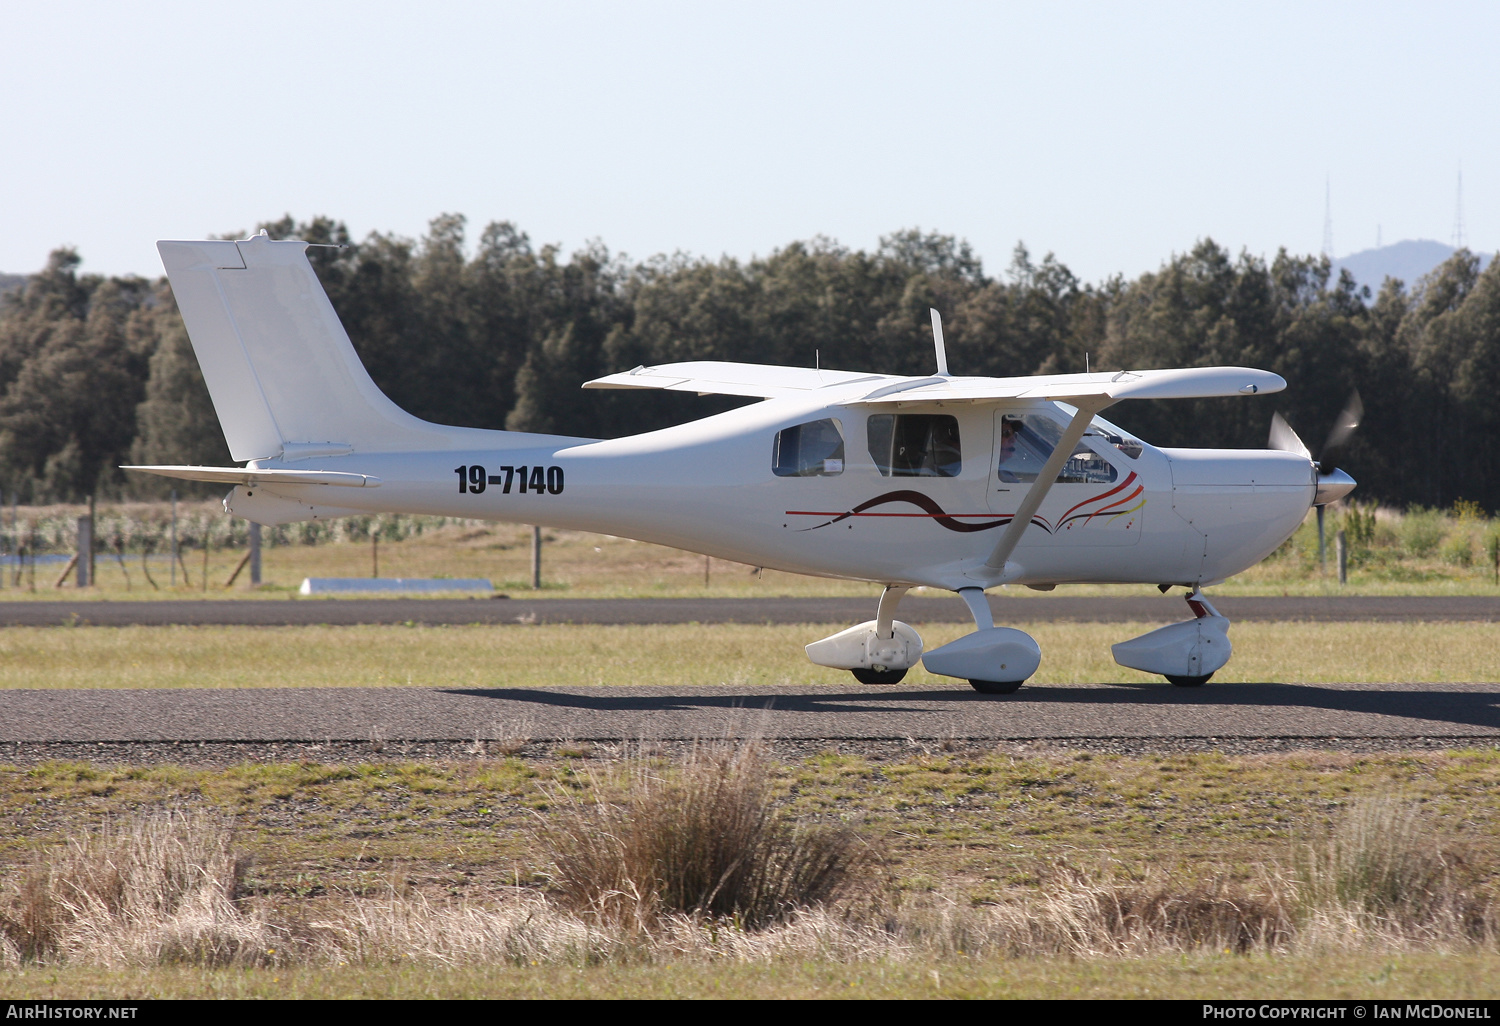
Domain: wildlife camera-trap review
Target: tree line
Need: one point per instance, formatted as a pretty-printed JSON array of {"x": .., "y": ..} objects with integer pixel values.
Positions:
[{"x": 98, "y": 371}]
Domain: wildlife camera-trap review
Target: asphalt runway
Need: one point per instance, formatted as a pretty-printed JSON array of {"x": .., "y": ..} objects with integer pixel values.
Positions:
[
  {"x": 1146, "y": 608},
  {"x": 1314, "y": 712}
]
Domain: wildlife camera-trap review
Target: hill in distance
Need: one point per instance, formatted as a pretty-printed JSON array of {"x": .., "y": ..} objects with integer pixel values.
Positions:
[{"x": 1408, "y": 261}]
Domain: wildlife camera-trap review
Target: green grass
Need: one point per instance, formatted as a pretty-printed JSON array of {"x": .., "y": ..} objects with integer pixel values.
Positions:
[{"x": 676, "y": 655}]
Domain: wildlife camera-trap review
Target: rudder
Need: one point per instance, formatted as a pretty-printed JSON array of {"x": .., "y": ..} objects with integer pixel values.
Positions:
[{"x": 284, "y": 377}]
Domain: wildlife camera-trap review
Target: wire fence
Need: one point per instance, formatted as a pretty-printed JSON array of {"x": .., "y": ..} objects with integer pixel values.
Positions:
[{"x": 147, "y": 529}]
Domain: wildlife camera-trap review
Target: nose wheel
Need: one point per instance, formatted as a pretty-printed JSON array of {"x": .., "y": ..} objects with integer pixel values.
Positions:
[{"x": 1186, "y": 653}]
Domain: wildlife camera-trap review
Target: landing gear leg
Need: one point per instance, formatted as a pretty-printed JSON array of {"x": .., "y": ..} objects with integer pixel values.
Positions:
[
  {"x": 877, "y": 651},
  {"x": 885, "y": 615},
  {"x": 979, "y": 608},
  {"x": 1186, "y": 653},
  {"x": 1201, "y": 608},
  {"x": 994, "y": 660},
  {"x": 984, "y": 620}
]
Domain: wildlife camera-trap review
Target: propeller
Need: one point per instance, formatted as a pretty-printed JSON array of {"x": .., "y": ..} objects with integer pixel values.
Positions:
[
  {"x": 1343, "y": 429},
  {"x": 1333, "y": 483}
]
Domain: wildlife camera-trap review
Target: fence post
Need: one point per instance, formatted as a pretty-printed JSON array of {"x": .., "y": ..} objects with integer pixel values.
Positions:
[
  {"x": 85, "y": 544},
  {"x": 254, "y": 554},
  {"x": 173, "y": 560},
  {"x": 1343, "y": 550},
  {"x": 93, "y": 573},
  {"x": 1322, "y": 549},
  {"x": 536, "y": 558}
]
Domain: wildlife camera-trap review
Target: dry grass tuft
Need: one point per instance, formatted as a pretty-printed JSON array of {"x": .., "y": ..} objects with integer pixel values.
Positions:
[
  {"x": 152, "y": 891},
  {"x": 704, "y": 840},
  {"x": 1081, "y": 915},
  {"x": 700, "y": 865},
  {"x": 1382, "y": 870}
]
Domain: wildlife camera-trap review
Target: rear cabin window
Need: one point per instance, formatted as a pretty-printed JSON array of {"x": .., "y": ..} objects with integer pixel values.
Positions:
[
  {"x": 814, "y": 449},
  {"x": 915, "y": 444}
]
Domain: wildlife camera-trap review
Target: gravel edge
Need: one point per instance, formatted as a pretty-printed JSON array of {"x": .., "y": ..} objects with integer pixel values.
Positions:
[{"x": 222, "y": 754}]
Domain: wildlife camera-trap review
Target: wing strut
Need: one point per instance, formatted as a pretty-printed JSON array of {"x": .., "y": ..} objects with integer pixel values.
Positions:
[{"x": 1045, "y": 479}]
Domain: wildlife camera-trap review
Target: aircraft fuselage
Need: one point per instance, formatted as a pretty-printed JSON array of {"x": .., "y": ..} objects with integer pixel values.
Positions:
[{"x": 1149, "y": 515}]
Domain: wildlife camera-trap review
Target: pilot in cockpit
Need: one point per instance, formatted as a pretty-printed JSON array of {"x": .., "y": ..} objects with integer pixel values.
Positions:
[{"x": 1008, "y": 427}]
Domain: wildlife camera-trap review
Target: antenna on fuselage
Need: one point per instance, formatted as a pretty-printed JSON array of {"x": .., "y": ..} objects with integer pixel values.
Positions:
[{"x": 937, "y": 342}]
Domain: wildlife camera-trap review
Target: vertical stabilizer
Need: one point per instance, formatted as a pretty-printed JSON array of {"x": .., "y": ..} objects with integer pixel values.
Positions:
[{"x": 280, "y": 368}]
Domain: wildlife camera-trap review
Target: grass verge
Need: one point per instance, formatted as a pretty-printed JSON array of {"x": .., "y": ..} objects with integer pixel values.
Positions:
[
  {"x": 682, "y": 654},
  {"x": 1413, "y": 976},
  {"x": 1322, "y": 874},
  {"x": 704, "y": 861}
]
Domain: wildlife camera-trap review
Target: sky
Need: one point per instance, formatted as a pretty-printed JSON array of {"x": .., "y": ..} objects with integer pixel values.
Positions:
[{"x": 1111, "y": 134}]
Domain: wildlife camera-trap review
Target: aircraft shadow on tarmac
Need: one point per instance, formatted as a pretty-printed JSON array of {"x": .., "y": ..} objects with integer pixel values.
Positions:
[
  {"x": 879, "y": 701},
  {"x": 1477, "y": 708}
]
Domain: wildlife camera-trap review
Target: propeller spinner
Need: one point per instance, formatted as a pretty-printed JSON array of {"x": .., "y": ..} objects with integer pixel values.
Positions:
[{"x": 1333, "y": 483}]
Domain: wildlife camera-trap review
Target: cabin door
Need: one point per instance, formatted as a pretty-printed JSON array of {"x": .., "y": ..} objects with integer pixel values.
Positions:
[{"x": 1097, "y": 499}]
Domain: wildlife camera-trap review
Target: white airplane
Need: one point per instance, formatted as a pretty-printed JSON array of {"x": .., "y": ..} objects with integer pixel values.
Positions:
[{"x": 942, "y": 481}]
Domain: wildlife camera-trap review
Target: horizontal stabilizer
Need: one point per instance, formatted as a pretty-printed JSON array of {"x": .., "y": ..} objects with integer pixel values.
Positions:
[{"x": 251, "y": 476}]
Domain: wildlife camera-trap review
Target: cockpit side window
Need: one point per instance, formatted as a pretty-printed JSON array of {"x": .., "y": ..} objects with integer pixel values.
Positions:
[
  {"x": 814, "y": 449},
  {"x": 1027, "y": 440},
  {"x": 1108, "y": 434},
  {"x": 915, "y": 444}
]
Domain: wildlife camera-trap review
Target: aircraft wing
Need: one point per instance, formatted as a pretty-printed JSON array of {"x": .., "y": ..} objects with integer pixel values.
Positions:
[
  {"x": 714, "y": 377},
  {"x": 251, "y": 476},
  {"x": 752, "y": 379},
  {"x": 1175, "y": 383}
]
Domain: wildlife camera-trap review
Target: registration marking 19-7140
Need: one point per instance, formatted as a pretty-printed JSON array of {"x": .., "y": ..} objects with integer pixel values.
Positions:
[{"x": 541, "y": 480}]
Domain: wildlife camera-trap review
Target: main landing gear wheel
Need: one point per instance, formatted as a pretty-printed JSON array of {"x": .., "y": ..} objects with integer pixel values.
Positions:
[
  {"x": 1189, "y": 682},
  {"x": 865, "y": 676},
  {"x": 996, "y": 687}
]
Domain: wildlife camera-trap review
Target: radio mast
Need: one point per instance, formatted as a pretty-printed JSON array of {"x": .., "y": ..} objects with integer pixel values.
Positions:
[
  {"x": 1328, "y": 218},
  {"x": 1459, "y": 242}
]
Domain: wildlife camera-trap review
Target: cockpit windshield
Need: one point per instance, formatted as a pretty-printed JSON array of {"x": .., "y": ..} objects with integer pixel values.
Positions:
[
  {"x": 1027, "y": 440},
  {"x": 1108, "y": 434}
]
